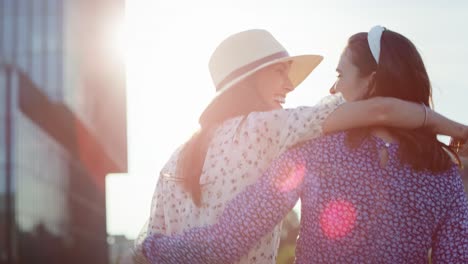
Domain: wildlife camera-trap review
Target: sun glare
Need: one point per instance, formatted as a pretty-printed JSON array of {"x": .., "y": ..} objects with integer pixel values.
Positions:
[
  {"x": 153, "y": 88},
  {"x": 118, "y": 39}
]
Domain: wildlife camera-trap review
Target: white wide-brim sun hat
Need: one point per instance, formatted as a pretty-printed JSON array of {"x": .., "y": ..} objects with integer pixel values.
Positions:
[{"x": 244, "y": 53}]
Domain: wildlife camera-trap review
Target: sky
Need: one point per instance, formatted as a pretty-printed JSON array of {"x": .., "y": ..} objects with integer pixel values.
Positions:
[{"x": 168, "y": 45}]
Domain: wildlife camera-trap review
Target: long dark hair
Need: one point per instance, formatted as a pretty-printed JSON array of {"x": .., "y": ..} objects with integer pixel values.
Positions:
[
  {"x": 400, "y": 73},
  {"x": 237, "y": 101}
]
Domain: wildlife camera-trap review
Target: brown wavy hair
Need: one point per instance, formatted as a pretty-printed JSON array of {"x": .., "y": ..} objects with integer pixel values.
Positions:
[
  {"x": 401, "y": 74},
  {"x": 237, "y": 101}
]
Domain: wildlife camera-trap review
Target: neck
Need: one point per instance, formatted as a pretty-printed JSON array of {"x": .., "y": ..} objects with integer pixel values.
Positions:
[{"x": 384, "y": 134}]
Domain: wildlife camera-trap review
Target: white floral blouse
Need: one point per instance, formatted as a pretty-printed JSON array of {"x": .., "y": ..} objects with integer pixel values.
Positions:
[{"x": 239, "y": 152}]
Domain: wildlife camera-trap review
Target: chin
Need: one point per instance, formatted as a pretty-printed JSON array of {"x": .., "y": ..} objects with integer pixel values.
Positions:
[
  {"x": 270, "y": 106},
  {"x": 276, "y": 107}
]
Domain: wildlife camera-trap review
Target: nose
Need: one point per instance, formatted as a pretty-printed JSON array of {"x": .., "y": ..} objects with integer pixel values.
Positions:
[
  {"x": 333, "y": 89},
  {"x": 288, "y": 85}
]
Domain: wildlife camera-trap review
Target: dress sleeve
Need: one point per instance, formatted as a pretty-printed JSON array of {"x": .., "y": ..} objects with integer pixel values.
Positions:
[
  {"x": 450, "y": 244},
  {"x": 248, "y": 217},
  {"x": 155, "y": 224},
  {"x": 288, "y": 127}
]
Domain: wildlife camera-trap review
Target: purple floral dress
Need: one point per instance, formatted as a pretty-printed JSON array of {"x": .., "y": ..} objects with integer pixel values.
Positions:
[{"x": 354, "y": 210}]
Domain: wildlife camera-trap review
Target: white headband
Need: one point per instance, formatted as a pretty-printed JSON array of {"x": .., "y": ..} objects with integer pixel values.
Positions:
[{"x": 373, "y": 38}]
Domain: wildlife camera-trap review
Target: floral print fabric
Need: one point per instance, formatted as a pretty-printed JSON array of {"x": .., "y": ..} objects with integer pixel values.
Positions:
[
  {"x": 353, "y": 210},
  {"x": 240, "y": 151}
]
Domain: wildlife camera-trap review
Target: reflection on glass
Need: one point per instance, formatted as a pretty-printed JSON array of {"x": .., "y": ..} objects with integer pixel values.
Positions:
[
  {"x": 7, "y": 31},
  {"x": 59, "y": 205}
]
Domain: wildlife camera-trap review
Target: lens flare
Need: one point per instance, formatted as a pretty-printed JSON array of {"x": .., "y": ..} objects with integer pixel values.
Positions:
[
  {"x": 292, "y": 179},
  {"x": 338, "y": 219}
]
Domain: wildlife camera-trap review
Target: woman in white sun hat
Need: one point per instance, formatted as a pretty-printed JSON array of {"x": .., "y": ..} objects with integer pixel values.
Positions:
[{"x": 245, "y": 127}]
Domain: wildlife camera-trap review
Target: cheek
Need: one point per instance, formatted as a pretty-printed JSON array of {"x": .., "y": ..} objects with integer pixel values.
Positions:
[
  {"x": 341, "y": 85},
  {"x": 263, "y": 89},
  {"x": 361, "y": 88},
  {"x": 345, "y": 87},
  {"x": 269, "y": 86}
]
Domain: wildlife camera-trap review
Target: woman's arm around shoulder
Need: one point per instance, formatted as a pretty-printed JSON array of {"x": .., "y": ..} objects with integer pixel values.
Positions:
[{"x": 393, "y": 112}]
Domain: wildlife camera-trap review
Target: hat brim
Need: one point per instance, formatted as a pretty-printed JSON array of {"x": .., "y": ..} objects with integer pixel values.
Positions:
[{"x": 301, "y": 67}]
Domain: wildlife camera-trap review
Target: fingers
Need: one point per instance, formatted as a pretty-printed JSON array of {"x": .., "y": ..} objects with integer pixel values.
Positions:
[
  {"x": 464, "y": 150},
  {"x": 459, "y": 146}
]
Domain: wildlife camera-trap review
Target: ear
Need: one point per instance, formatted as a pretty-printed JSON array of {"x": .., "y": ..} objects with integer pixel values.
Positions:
[{"x": 371, "y": 81}]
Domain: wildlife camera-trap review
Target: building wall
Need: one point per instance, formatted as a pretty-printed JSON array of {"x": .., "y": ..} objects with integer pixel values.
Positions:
[
  {"x": 3, "y": 227},
  {"x": 96, "y": 74},
  {"x": 68, "y": 130}
]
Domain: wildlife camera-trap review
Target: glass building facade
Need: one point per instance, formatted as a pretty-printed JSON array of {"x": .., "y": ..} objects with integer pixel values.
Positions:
[{"x": 62, "y": 128}]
